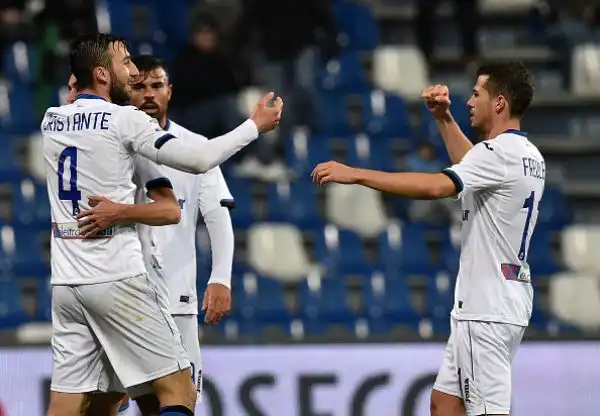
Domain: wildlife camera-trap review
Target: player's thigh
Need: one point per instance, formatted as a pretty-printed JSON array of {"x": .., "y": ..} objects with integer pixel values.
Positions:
[
  {"x": 485, "y": 351},
  {"x": 139, "y": 336},
  {"x": 79, "y": 362},
  {"x": 446, "y": 396},
  {"x": 188, "y": 327}
]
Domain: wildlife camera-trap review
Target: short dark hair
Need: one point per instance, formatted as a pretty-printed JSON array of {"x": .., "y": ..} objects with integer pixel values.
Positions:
[
  {"x": 513, "y": 81},
  {"x": 147, "y": 63},
  {"x": 89, "y": 52}
]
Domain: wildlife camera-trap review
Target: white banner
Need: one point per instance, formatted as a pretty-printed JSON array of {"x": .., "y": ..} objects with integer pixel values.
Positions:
[{"x": 554, "y": 379}]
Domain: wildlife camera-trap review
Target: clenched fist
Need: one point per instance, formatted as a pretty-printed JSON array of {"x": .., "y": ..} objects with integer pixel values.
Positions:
[{"x": 437, "y": 100}]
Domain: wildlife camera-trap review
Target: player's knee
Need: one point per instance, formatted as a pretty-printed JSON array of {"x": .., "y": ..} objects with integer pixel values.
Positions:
[{"x": 443, "y": 404}]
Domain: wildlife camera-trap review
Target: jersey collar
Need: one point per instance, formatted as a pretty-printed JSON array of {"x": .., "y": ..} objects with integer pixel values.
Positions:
[
  {"x": 167, "y": 125},
  {"x": 517, "y": 132},
  {"x": 90, "y": 97}
]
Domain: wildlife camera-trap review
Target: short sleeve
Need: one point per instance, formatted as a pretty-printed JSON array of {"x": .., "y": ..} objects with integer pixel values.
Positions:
[
  {"x": 483, "y": 167},
  {"x": 214, "y": 192},
  {"x": 149, "y": 175},
  {"x": 141, "y": 133}
]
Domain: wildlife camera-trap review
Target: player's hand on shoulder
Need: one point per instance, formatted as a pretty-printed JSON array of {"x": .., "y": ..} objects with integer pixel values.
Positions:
[
  {"x": 267, "y": 113},
  {"x": 216, "y": 302},
  {"x": 334, "y": 172},
  {"x": 102, "y": 214},
  {"x": 437, "y": 100}
]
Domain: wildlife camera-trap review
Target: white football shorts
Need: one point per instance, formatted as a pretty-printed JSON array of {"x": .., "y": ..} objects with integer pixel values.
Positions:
[
  {"x": 477, "y": 365},
  {"x": 104, "y": 330},
  {"x": 188, "y": 327}
]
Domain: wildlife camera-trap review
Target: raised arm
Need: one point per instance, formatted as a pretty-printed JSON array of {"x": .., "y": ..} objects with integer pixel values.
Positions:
[
  {"x": 437, "y": 100},
  {"x": 147, "y": 139}
]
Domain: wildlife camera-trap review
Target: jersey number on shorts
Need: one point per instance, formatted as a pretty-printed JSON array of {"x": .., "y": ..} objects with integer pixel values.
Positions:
[
  {"x": 72, "y": 194},
  {"x": 529, "y": 203}
]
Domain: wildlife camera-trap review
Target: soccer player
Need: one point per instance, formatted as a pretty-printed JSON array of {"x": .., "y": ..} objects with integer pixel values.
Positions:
[
  {"x": 208, "y": 193},
  {"x": 107, "y": 317},
  {"x": 500, "y": 182}
]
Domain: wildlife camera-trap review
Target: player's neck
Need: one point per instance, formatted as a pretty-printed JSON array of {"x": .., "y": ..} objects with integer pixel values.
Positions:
[
  {"x": 92, "y": 91},
  {"x": 163, "y": 122},
  {"x": 499, "y": 128}
]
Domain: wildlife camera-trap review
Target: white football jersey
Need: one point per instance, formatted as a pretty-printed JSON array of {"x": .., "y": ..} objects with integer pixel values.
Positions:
[
  {"x": 177, "y": 243},
  {"x": 501, "y": 182},
  {"x": 88, "y": 150}
]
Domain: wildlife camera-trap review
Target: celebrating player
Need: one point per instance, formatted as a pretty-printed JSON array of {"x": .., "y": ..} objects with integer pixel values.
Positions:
[
  {"x": 207, "y": 192},
  {"x": 105, "y": 310},
  {"x": 500, "y": 182}
]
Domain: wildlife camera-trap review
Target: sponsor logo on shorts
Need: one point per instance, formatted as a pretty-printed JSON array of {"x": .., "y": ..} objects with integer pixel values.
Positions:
[
  {"x": 466, "y": 391},
  {"x": 71, "y": 230}
]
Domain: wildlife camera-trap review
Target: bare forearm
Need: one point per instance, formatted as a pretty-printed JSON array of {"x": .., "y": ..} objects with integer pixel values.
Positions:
[
  {"x": 154, "y": 213},
  {"x": 457, "y": 144},
  {"x": 406, "y": 184}
]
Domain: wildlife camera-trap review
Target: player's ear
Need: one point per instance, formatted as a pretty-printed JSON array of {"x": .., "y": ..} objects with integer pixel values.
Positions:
[
  {"x": 500, "y": 104},
  {"x": 169, "y": 91},
  {"x": 102, "y": 75}
]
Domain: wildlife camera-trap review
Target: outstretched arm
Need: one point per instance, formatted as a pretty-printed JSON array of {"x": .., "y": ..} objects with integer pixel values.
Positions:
[
  {"x": 146, "y": 138},
  {"x": 409, "y": 185}
]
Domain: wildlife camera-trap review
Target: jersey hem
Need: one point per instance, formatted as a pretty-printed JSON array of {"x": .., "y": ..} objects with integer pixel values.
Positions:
[
  {"x": 62, "y": 282},
  {"x": 489, "y": 318}
]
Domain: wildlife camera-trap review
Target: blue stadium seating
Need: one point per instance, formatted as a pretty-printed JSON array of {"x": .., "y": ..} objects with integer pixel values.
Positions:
[
  {"x": 357, "y": 26},
  {"x": 294, "y": 202},
  {"x": 341, "y": 252},
  {"x": 325, "y": 301},
  {"x": 242, "y": 216},
  {"x": 19, "y": 63},
  {"x": 303, "y": 159},
  {"x": 385, "y": 115},
  {"x": 389, "y": 299},
  {"x": 263, "y": 302},
  {"x": 30, "y": 204},
  {"x": 540, "y": 257},
  {"x": 344, "y": 74},
  {"x": 21, "y": 118},
  {"x": 408, "y": 254},
  {"x": 554, "y": 212}
]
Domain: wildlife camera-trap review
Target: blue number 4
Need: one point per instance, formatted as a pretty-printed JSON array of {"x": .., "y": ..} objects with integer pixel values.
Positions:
[
  {"x": 529, "y": 203},
  {"x": 72, "y": 194}
]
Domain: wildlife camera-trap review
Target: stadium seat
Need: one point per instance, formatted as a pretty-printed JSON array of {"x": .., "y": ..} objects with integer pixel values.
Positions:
[
  {"x": 43, "y": 298},
  {"x": 134, "y": 19},
  {"x": 386, "y": 115},
  {"x": 580, "y": 248},
  {"x": 30, "y": 257},
  {"x": 371, "y": 153},
  {"x": 344, "y": 74},
  {"x": 17, "y": 108},
  {"x": 11, "y": 310},
  {"x": 388, "y": 299},
  {"x": 9, "y": 168},
  {"x": 575, "y": 298},
  {"x": 260, "y": 299},
  {"x": 355, "y": 208},
  {"x": 554, "y": 211},
  {"x": 294, "y": 202},
  {"x": 401, "y": 70},
  {"x": 359, "y": 30},
  {"x": 540, "y": 256},
  {"x": 324, "y": 299},
  {"x": 302, "y": 152},
  {"x": 440, "y": 296},
  {"x": 403, "y": 248},
  {"x": 243, "y": 215},
  {"x": 248, "y": 98},
  {"x": 20, "y": 63},
  {"x": 341, "y": 252},
  {"x": 30, "y": 204},
  {"x": 276, "y": 250},
  {"x": 585, "y": 61},
  {"x": 333, "y": 120}
]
